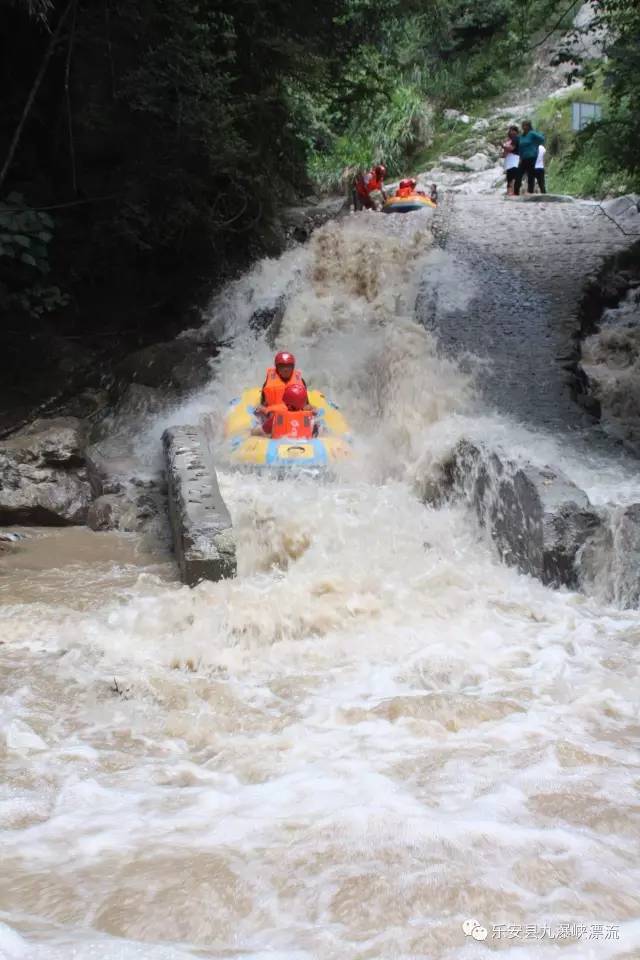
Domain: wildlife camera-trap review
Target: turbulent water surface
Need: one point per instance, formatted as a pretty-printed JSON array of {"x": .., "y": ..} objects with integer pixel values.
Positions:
[{"x": 372, "y": 735}]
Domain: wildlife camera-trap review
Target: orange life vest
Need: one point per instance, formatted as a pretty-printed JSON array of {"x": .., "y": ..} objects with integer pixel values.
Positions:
[
  {"x": 405, "y": 188},
  {"x": 367, "y": 183},
  {"x": 274, "y": 386},
  {"x": 297, "y": 424}
]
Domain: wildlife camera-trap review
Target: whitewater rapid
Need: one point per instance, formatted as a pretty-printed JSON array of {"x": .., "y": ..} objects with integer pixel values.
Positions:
[{"x": 374, "y": 733}]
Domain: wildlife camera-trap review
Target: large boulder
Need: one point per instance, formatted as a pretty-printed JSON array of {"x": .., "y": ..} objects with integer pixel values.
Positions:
[
  {"x": 538, "y": 519},
  {"x": 478, "y": 162},
  {"x": 43, "y": 479},
  {"x": 625, "y": 211},
  {"x": 453, "y": 163}
]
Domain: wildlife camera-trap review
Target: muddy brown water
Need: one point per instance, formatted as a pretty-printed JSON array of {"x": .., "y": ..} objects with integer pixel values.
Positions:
[{"x": 376, "y": 741}]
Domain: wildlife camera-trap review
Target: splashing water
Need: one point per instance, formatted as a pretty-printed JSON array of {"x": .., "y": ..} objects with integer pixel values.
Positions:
[{"x": 372, "y": 735}]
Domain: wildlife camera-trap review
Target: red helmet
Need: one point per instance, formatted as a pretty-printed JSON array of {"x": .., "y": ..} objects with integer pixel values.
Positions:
[
  {"x": 295, "y": 396},
  {"x": 284, "y": 359},
  {"x": 381, "y": 170}
]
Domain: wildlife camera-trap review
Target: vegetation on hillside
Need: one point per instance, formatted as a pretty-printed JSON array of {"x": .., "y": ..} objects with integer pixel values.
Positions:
[
  {"x": 604, "y": 158},
  {"x": 411, "y": 62},
  {"x": 145, "y": 148}
]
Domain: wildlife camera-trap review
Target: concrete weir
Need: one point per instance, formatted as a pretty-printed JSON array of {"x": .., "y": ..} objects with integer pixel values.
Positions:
[{"x": 200, "y": 522}]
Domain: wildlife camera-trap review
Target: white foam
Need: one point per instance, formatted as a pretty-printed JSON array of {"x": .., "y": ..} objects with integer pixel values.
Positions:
[{"x": 373, "y": 733}]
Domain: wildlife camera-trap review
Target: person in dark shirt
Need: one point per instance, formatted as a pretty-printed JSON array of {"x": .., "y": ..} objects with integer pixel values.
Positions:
[{"x": 528, "y": 145}]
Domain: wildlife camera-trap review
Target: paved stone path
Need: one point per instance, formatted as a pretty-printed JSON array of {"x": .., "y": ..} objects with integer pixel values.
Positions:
[{"x": 526, "y": 264}]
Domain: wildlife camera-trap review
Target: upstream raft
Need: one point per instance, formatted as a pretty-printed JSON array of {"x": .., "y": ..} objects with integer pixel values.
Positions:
[
  {"x": 331, "y": 445},
  {"x": 414, "y": 201}
]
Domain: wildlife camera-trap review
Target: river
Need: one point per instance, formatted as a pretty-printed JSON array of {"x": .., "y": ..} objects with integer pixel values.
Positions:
[{"x": 375, "y": 734}]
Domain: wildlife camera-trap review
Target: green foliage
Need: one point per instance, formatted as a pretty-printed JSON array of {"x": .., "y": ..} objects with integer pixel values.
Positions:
[
  {"x": 38, "y": 300},
  {"x": 168, "y": 132},
  {"x": 407, "y": 64},
  {"x": 605, "y": 158},
  {"x": 25, "y": 234},
  {"x": 565, "y": 173}
]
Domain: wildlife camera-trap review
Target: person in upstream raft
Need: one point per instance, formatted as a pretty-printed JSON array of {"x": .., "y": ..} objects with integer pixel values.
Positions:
[
  {"x": 293, "y": 418},
  {"x": 528, "y": 144},
  {"x": 369, "y": 187},
  {"x": 406, "y": 187},
  {"x": 511, "y": 158},
  {"x": 278, "y": 377}
]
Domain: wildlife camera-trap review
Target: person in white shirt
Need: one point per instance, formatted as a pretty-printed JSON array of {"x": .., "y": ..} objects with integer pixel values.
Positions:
[
  {"x": 539, "y": 169},
  {"x": 511, "y": 158}
]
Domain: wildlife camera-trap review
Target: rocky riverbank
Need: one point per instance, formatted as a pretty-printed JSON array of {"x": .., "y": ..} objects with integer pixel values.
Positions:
[
  {"x": 544, "y": 524},
  {"x": 606, "y": 370},
  {"x": 509, "y": 305}
]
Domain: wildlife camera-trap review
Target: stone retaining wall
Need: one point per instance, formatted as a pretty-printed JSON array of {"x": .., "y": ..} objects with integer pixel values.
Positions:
[{"x": 200, "y": 522}]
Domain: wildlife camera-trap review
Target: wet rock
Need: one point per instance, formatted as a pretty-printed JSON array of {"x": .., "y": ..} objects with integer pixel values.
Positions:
[
  {"x": 57, "y": 441},
  {"x": 606, "y": 369},
  {"x": 87, "y": 403},
  {"x": 537, "y": 517},
  {"x": 200, "y": 522},
  {"x": 10, "y": 541},
  {"x": 43, "y": 479},
  {"x": 609, "y": 563},
  {"x": 111, "y": 512},
  {"x": 137, "y": 401},
  {"x": 268, "y": 318},
  {"x": 610, "y": 368},
  {"x": 299, "y": 222},
  {"x": 127, "y": 509},
  {"x": 181, "y": 363}
]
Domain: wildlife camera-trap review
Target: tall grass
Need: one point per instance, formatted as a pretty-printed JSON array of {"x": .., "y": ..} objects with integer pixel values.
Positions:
[{"x": 403, "y": 120}]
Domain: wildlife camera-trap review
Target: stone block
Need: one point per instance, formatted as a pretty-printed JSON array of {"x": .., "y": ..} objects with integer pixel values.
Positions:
[{"x": 200, "y": 522}]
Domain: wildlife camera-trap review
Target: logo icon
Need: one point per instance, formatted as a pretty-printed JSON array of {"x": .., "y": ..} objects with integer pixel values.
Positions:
[{"x": 473, "y": 928}]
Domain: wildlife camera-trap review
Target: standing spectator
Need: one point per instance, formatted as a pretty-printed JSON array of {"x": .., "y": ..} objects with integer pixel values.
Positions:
[
  {"x": 539, "y": 171},
  {"x": 511, "y": 158},
  {"x": 528, "y": 145}
]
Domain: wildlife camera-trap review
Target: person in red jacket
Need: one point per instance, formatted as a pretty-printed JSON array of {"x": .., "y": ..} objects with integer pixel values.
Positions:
[
  {"x": 294, "y": 418},
  {"x": 367, "y": 184},
  {"x": 282, "y": 373},
  {"x": 407, "y": 187}
]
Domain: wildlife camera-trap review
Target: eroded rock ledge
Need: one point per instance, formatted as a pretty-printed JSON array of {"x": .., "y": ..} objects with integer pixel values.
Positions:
[
  {"x": 545, "y": 525},
  {"x": 606, "y": 374}
]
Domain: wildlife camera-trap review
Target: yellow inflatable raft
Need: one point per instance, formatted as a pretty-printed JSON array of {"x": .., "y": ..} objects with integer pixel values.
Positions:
[
  {"x": 331, "y": 445},
  {"x": 415, "y": 201}
]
